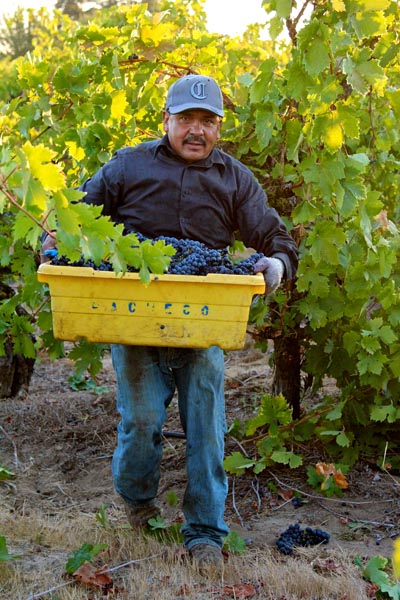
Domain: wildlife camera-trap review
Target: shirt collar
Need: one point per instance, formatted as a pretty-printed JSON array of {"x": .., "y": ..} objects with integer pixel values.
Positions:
[{"x": 215, "y": 157}]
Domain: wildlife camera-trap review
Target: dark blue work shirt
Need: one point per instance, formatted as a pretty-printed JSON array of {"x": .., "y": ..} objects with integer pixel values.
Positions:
[{"x": 153, "y": 191}]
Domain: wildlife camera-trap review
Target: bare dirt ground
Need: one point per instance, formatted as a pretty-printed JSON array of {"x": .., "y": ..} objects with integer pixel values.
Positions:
[{"x": 59, "y": 443}]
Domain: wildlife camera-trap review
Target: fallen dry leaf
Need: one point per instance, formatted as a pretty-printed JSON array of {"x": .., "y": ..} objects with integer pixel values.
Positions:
[
  {"x": 240, "y": 590},
  {"x": 324, "y": 469},
  {"x": 94, "y": 576},
  {"x": 340, "y": 480},
  {"x": 180, "y": 555},
  {"x": 286, "y": 495},
  {"x": 184, "y": 590},
  {"x": 382, "y": 219},
  {"x": 328, "y": 564},
  {"x": 371, "y": 590},
  {"x": 329, "y": 470}
]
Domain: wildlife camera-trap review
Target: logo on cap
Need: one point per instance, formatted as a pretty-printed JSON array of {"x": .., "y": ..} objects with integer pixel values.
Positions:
[{"x": 198, "y": 90}]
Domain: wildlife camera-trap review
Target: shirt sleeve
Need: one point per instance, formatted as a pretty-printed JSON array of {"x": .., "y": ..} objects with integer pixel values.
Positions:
[{"x": 261, "y": 227}]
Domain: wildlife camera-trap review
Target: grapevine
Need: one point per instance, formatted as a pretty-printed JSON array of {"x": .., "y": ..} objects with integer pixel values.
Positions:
[{"x": 315, "y": 119}]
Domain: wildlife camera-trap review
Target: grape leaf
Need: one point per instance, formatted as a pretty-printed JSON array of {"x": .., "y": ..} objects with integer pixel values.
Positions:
[
  {"x": 237, "y": 463},
  {"x": 86, "y": 552},
  {"x": 4, "y": 554}
]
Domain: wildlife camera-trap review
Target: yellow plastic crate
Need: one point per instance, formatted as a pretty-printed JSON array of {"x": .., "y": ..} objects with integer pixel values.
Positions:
[{"x": 173, "y": 310}]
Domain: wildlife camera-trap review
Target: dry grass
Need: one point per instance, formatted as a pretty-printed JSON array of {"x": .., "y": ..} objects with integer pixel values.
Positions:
[
  {"x": 164, "y": 572},
  {"x": 61, "y": 442}
]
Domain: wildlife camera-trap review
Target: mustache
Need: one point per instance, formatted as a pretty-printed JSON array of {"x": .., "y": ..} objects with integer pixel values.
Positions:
[{"x": 194, "y": 138}]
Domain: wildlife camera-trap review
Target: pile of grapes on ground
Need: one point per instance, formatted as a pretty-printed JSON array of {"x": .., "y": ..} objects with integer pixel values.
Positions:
[
  {"x": 294, "y": 536},
  {"x": 191, "y": 258}
]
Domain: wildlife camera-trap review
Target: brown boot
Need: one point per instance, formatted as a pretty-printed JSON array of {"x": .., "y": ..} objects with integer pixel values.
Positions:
[
  {"x": 207, "y": 557},
  {"x": 138, "y": 516}
]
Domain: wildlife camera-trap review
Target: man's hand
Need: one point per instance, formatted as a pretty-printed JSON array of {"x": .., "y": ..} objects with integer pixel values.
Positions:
[
  {"x": 273, "y": 270},
  {"x": 50, "y": 243}
]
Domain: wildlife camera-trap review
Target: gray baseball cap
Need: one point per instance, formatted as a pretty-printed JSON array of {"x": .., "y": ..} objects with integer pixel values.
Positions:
[{"x": 195, "y": 91}]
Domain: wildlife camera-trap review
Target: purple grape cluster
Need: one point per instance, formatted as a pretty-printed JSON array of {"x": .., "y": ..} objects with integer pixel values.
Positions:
[
  {"x": 195, "y": 258},
  {"x": 294, "y": 536},
  {"x": 191, "y": 258}
]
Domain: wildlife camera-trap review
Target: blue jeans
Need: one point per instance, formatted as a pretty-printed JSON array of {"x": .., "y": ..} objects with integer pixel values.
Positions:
[{"x": 146, "y": 382}]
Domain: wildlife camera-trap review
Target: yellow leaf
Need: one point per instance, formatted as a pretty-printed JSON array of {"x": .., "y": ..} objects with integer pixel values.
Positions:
[
  {"x": 158, "y": 17},
  {"x": 151, "y": 34},
  {"x": 118, "y": 104},
  {"x": 338, "y": 5},
  {"x": 75, "y": 151},
  {"x": 102, "y": 33},
  {"x": 50, "y": 175},
  {"x": 396, "y": 557},
  {"x": 371, "y": 5},
  {"x": 333, "y": 137}
]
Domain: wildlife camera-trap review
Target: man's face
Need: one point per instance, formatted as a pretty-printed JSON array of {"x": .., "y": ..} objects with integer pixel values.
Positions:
[{"x": 192, "y": 133}]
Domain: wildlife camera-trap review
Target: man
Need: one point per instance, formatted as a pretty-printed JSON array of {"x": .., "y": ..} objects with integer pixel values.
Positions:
[{"x": 183, "y": 186}]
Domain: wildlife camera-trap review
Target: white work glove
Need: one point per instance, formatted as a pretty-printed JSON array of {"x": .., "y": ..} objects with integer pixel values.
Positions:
[{"x": 273, "y": 270}]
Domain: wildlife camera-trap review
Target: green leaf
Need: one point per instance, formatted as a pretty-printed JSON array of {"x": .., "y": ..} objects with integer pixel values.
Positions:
[
  {"x": 275, "y": 27},
  {"x": 324, "y": 241},
  {"x": 86, "y": 552},
  {"x": 342, "y": 440},
  {"x": 68, "y": 220},
  {"x": 317, "y": 317},
  {"x": 336, "y": 413},
  {"x": 234, "y": 543},
  {"x": 144, "y": 274},
  {"x": 265, "y": 123},
  {"x": 4, "y": 554},
  {"x": 283, "y": 8},
  {"x": 6, "y": 474},
  {"x": 273, "y": 410},
  {"x": 258, "y": 88},
  {"x": 22, "y": 332},
  {"x": 287, "y": 458},
  {"x": 93, "y": 248},
  {"x": 172, "y": 498},
  {"x": 157, "y": 256},
  {"x": 387, "y": 413},
  {"x": 237, "y": 464},
  {"x": 364, "y": 74},
  {"x": 350, "y": 123},
  {"x": 315, "y": 283},
  {"x": 313, "y": 478},
  {"x": 359, "y": 161},
  {"x": 101, "y": 517},
  {"x": 317, "y": 57},
  {"x": 305, "y": 212},
  {"x": 371, "y": 364},
  {"x": 367, "y": 25},
  {"x": 375, "y": 570},
  {"x": 157, "y": 522},
  {"x": 87, "y": 357},
  {"x": 387, "y": 334}
]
